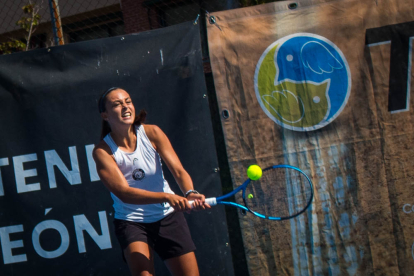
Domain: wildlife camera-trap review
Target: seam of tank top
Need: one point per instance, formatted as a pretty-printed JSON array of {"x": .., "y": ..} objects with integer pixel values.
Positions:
[
  {"x": 145, "y": 135},
  {"x": 111, "y": 144}
]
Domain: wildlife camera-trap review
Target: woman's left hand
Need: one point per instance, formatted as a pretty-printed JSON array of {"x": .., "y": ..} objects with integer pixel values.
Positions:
[{"x": 199, "y": 202}]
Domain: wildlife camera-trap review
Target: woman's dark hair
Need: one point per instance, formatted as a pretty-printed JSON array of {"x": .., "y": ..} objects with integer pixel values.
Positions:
[{"x": 106, "y": 128}]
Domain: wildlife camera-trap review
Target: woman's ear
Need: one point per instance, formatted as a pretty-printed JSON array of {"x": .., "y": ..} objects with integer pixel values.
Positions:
[{"x": 104, "y": 116}]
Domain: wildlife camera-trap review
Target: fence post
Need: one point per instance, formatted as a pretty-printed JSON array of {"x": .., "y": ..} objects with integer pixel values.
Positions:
[{"x": 56, "y": 23}]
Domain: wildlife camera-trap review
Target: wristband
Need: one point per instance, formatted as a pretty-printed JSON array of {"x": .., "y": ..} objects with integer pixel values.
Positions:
[{"x": 191, "y": 192}]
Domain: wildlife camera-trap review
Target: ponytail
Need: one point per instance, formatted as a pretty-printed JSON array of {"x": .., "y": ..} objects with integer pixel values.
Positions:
[
  {"x": 140, "y": 118},
  {"x": 106, "y": 128}
]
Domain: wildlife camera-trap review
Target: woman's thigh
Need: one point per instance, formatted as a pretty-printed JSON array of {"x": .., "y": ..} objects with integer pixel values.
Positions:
[
  {"x": 140, "y": 259},
  {"x": 184, "y": 265}
]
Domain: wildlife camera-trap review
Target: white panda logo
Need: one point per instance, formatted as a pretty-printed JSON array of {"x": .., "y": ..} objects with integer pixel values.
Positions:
[{"x": 137, "y": 174}]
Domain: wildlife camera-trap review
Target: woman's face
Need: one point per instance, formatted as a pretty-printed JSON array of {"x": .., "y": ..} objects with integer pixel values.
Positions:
[{"x": 119, "y": 108}]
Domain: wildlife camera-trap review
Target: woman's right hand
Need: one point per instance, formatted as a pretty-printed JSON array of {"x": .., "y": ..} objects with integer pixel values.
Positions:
[{"x": 179, "y": 203}]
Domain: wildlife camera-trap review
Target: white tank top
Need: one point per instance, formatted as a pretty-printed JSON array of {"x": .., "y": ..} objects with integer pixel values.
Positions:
[{"x": 142, "y": 169}]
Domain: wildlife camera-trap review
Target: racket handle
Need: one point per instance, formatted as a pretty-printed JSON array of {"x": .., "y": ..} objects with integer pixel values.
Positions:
[{"x": 210, "y": 201}]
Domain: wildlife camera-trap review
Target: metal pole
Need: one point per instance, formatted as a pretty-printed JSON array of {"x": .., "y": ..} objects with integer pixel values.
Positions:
[{"x": 56, "y": 23}]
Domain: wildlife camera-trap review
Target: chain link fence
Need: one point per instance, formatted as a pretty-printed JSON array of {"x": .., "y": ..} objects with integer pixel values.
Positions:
[{"x": 31, "y": 24}]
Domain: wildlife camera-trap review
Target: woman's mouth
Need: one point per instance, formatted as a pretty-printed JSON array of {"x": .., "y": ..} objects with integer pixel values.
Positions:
[{"x": 126, "y": 115}]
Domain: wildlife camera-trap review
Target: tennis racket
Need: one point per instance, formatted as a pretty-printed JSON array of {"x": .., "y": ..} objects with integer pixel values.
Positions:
[{"x": 283, "y": 192}]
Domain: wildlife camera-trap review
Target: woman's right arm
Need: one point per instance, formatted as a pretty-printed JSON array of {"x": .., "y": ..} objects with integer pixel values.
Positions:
[{"x": 115, "y": 182}]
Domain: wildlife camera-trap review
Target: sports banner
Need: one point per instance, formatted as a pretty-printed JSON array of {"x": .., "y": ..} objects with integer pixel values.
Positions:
[
  {"x": 55, "y": 214},
  {"x": 324, "y": 86}
]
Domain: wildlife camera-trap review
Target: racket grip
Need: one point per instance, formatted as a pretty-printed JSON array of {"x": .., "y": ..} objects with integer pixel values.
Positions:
[{"x": 210, "y": 201}]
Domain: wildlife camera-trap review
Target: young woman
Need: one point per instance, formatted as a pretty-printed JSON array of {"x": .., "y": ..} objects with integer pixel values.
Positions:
[{"x": 128, "y": 160}]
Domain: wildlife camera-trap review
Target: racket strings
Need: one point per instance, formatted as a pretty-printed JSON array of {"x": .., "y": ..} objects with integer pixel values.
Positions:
[{"x": 281, "y": 192}]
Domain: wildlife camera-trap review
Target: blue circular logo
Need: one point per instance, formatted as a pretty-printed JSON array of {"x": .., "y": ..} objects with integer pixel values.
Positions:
[{"x": 302, "y": 82}]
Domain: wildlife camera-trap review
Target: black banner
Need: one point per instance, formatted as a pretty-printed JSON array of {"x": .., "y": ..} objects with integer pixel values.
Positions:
[{"x": 55, "y": 214}]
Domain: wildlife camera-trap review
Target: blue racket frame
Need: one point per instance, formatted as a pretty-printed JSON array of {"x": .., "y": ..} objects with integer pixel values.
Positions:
[{"x": 247, "y": 182}]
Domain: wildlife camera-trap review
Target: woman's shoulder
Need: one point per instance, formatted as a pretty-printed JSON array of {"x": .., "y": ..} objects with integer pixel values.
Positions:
[
  {"x": 156, "y": 136},
  {"x": 152, "y": 131},
  {"x": 102, "y": 148}
]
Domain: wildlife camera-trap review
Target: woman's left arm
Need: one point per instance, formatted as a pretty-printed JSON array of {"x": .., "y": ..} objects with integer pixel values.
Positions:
[{"x": 163, "y": 146}]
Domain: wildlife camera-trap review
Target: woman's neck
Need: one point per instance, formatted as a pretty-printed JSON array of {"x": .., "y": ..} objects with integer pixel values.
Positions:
[{"x": 125, "y": 138}]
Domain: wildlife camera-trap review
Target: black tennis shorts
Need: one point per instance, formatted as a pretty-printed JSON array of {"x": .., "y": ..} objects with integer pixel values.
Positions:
[{"x": 169, "y": 237}]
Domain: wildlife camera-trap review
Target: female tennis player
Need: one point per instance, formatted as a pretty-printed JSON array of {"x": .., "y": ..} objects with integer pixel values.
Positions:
[{"x": 128, "y": 160}]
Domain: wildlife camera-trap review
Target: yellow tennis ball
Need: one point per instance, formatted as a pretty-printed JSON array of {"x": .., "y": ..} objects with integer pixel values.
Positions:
[
  {"x": 254, "y": 172},
  {"x": 250, "y": 196}
]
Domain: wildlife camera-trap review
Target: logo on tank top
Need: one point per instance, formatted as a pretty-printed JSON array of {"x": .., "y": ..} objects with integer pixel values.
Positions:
[{"x": 137, "y": 174}]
